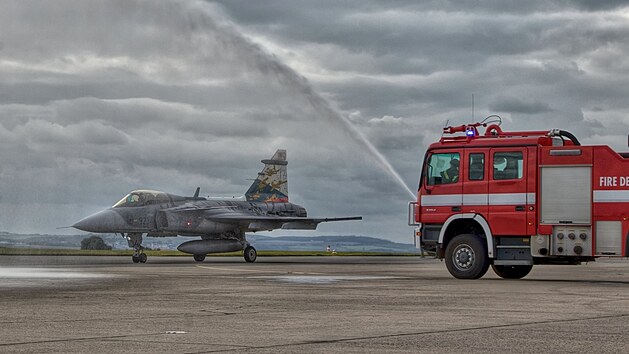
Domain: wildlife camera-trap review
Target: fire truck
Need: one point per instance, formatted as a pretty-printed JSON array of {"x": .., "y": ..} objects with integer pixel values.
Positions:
[{"x": 511, "y": 200}]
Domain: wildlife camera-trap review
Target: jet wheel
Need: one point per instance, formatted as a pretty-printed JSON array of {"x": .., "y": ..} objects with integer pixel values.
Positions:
[
  {"x": 250, "y": 254},
  {"x": 142, "y": 257},
  {"x": 199, "y": 257},
  {"x": 136, "y": 259}
]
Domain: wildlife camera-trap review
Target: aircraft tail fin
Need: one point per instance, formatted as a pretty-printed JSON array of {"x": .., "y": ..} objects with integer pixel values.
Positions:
[{"x": 271, "y": 185}]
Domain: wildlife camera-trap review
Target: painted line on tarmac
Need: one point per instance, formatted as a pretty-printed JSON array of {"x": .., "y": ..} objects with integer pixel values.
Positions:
[
  {"x": 256, "y": 270},
  {"x": 234, "y": 269}
]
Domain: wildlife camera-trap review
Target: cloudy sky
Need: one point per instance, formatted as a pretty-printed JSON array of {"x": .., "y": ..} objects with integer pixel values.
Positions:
[{"x": 100, "y": 98}]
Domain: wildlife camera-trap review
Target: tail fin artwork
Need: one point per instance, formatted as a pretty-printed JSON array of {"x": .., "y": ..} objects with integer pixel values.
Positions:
[{"x": 272, "y": 182}]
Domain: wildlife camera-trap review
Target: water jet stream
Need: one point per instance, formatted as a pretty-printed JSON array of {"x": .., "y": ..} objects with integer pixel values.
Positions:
[{"x": 256, "y": 57}]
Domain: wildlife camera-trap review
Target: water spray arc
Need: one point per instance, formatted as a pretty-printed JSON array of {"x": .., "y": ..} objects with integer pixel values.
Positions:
[
  {"x": 321, "y": 105},
  {"x": 256, "y": 57}
]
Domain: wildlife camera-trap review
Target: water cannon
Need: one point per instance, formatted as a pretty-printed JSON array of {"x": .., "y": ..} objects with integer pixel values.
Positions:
[{"x": 471, "y": 130}]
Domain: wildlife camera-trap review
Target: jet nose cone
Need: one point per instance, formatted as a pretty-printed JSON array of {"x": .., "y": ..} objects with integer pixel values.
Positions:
[{"x": 103, "y": 221}]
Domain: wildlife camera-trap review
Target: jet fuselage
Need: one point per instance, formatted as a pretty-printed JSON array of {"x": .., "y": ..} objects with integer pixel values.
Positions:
[{"x": 185, "y": 216}]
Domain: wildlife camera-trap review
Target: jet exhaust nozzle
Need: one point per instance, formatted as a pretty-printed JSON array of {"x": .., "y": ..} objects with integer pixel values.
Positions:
[{"x": 210, "y": 246}]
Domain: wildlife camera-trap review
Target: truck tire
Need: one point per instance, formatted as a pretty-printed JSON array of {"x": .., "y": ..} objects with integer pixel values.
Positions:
[
  {"x": 512, "y": 272},
  {"x": 466, "y": 257}
]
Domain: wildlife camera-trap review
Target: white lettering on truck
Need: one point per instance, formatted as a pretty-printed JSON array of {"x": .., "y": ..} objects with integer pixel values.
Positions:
[{"x": 613, "y": 181}]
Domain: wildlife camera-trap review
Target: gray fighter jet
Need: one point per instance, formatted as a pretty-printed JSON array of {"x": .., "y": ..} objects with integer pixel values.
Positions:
[{"x": 221, "y": 224}]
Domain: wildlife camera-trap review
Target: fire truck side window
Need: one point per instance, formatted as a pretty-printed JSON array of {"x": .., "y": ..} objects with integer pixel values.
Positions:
[
  {"x": 476, "y": 167},
  {"x": 508, "y": 165},
  {"x": 443, "y": 168}
]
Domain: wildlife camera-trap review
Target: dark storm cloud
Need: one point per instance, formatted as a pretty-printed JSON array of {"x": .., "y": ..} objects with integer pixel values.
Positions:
[{"x": 452, "y": 34}]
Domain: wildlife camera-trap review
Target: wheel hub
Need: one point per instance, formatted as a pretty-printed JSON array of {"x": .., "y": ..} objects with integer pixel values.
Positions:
[{"x": 463, "y": 257}]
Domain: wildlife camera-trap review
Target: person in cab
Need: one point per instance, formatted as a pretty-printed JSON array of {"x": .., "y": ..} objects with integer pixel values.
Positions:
[{"x": 451, "y": 175}]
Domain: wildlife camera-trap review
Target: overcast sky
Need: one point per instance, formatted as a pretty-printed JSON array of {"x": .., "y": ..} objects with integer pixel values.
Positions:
[{"x": 101, "y": 98}]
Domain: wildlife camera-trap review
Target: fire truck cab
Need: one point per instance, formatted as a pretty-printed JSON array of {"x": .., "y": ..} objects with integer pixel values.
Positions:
[{"x": 511, "y": 200}]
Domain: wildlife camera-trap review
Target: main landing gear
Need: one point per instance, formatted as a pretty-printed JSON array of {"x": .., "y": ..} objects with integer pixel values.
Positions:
[
  {"x": 134, "y": 239},
  {"x": 250, "y": 254}
]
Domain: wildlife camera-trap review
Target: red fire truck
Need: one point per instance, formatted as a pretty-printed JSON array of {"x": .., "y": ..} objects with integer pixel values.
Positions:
[{"x": 515, "y": 199}]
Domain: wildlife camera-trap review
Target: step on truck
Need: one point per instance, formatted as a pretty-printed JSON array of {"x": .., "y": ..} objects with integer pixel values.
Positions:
[{"x": 511, "y": 200}]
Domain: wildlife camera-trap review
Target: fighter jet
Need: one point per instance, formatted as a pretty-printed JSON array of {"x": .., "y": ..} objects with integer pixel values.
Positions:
[{"x": 221, "y": 224}]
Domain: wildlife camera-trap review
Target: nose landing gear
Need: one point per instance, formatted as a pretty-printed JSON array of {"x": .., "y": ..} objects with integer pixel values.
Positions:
[
  {"x": 140, "y": 258},
  {"x": 134, "y": 239}
]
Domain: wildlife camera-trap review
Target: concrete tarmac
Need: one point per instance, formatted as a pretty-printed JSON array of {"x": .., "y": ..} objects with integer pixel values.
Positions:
[{"x": 306, "y": 304}]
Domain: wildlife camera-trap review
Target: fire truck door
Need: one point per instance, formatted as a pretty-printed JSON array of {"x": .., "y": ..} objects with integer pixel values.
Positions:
[
  {"x": 508, "y": 191},
  {"x": 441, "y": 194},
  {"x": 475, "y": 182}
]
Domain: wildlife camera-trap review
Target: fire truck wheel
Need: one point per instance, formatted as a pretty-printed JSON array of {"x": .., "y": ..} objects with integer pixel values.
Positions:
[
  {"x": 466, "y": 257},
  {"x": 512, "y": 272}
]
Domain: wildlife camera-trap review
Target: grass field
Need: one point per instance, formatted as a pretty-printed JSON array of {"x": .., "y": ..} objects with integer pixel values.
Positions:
[{"x": 68, "y": 252}]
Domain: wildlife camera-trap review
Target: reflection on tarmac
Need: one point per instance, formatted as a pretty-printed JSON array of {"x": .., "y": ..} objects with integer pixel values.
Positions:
[{"x": 41, "y": 277}]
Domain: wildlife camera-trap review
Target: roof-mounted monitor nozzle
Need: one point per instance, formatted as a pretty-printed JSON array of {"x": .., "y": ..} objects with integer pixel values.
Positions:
[{"x": 492, "y": 123}]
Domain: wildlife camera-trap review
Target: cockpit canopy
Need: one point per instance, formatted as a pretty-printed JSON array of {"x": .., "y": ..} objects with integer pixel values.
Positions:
[{"x": 142, "y": 198}]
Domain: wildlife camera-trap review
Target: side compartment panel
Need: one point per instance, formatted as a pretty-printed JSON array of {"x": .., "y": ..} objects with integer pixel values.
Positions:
[
  {"x": 608, "y": 238},
  {"x": 566, "y": 194}
]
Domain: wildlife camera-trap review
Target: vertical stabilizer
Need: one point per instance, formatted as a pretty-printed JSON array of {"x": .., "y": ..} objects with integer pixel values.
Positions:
[{"x": 272, "y": 182}]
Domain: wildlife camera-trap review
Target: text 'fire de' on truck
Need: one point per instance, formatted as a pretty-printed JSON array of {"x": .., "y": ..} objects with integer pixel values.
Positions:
[{"x": 515, "y": 199}]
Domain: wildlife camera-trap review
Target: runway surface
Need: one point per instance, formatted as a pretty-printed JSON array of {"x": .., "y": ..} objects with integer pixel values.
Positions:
[{"x": 306, "y": 304}]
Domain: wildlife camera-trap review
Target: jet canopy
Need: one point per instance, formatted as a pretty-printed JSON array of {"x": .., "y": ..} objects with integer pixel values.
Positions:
[{"x": 141, "y": 198}]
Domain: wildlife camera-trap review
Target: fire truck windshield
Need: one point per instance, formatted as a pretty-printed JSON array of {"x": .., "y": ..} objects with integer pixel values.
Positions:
[{"x": 443, "y": 168}]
